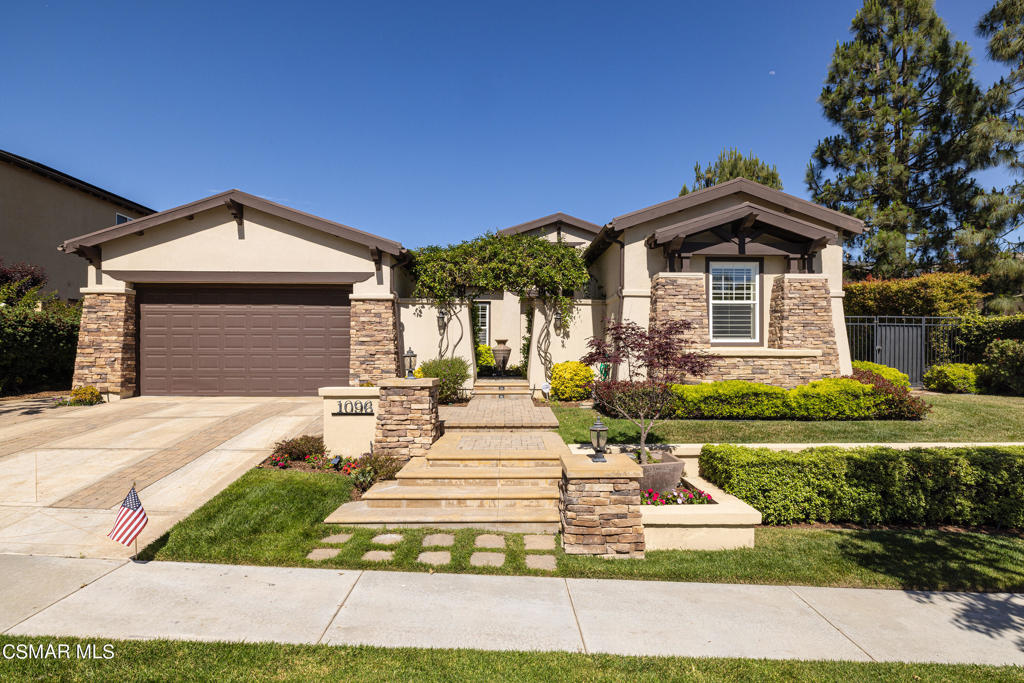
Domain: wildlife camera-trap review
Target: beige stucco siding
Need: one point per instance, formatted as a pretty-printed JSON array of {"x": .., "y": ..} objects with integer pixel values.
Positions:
[
  {"x": 37, "y": 214},
  {"x": 419, "y": 330},
  {"x": 551, "y": 345},
  {"x": 212, "y": 241}
]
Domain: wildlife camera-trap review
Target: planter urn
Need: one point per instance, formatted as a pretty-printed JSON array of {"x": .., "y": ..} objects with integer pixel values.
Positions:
[
  {"x": 662, "y": 476},
  {"x": 501, "y": 353}
]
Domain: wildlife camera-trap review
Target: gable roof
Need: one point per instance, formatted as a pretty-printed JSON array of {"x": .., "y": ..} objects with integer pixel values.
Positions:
[
  {"x": 788, "y": 202},
  {"x": 553, "y": 219},
  {"x": 80, "y": 185},
  {"x": 744, "y": 210},
  {"x": 83, "y": 243}
]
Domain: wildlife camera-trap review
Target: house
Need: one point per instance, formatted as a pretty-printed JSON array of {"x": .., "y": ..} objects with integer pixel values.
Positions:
[
  {"x": 40, "y": 207},
  {"x": 234, "y": 294}
]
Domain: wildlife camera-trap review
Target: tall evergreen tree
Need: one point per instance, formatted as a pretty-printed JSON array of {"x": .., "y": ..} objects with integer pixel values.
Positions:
[
  {"x": 990, "y": 248},
  {"x": 903, "y": 98},
  {"x": 731, "y": 163}
]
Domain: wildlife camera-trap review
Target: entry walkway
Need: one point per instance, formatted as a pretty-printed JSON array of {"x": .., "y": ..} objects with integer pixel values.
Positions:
[
  {"x": 50, "y": 596},
  {"x": 488, "y": 413}
]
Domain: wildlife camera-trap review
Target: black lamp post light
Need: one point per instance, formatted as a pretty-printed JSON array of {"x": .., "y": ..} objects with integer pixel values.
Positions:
[
  {"x": 599, "y": 440},
  {"x": 410, "y": 363}
]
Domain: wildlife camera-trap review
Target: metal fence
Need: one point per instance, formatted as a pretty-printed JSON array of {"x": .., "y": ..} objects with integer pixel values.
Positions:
[{"x": 911, "y": 344}]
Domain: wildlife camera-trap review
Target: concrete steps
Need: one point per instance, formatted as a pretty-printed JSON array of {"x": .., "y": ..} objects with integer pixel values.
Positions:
[
  {"x": 499, "y": 481},
  {"x": 505, "y": 387}
]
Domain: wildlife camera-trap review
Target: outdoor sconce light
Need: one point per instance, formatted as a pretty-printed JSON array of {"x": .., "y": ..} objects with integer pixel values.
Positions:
[
  {"x": 558, "y": 317},
  {"x": 410, "y": 363},
  {"x": 598, "y": 439},
  {"x": 441, "y": 320}
]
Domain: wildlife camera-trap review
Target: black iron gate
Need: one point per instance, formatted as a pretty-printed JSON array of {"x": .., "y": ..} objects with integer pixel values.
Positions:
[{"x": 911, "y": 344}]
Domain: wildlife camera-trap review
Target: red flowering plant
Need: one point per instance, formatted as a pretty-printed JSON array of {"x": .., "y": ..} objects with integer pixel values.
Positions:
[
  {"x": 646, "y": 362},
  {"x": 681, "y": 496},
  {"x": 279, "y": 460}
]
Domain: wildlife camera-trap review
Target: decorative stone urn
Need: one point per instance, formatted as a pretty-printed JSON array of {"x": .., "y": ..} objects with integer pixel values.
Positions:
[
  {"x": 501, "y": 353},
  {"x": 662, "y": 476}
]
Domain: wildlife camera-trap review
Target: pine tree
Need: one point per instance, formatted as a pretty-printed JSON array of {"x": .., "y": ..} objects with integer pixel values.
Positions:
[
  {"x": 902, "y": 95},
  {"x": 989, "y": 249},
  {"x": 732, "y": 164}
]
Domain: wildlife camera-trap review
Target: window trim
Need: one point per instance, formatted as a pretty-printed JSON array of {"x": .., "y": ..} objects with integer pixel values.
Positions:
[
  {"x": 118, "y": 214},
  {"x": 758, "y": 303},
  {"x": 486, "y": 305}
]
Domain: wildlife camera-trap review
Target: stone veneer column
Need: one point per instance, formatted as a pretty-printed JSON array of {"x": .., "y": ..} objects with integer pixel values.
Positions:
[
  {"x": 600, "y": 507},
  {"x": 800, "y": 317},
  {"x": 407, "y": 417},
  {"x": 106, "y": 357},
  {"x": 373, "y": 343},
  {"x": 681, "y": 296}
]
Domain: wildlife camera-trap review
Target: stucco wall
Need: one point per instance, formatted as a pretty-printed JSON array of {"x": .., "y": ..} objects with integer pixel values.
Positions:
[
  {"x": 551, "y": 345},
  {"x": 418, "y": 329},
  {"x": 211, "y": 242},
  {"x": 37, "y": 214}
]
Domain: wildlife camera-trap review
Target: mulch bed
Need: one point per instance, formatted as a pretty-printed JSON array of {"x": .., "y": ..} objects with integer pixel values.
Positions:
[{"x": 38, "y": 394}]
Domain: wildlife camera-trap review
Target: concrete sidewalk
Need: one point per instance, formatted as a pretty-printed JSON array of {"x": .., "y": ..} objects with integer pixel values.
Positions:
[{"x": 116, "y": 599}]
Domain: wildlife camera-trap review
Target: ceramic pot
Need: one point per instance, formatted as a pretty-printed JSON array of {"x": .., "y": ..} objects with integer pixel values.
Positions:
[{"x": 501, "y": 353}]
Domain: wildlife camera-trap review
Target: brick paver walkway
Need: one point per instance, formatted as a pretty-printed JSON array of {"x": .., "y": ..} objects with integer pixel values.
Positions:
[
  {"x": 500, "y": 441},
  {"x": 110, "y": 490},
  {"x": 72, "y": 425},
  {"x": 513, "y": 412}
]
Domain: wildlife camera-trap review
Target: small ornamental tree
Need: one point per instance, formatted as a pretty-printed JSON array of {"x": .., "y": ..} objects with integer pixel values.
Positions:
[{"x": 651, "y": 359}]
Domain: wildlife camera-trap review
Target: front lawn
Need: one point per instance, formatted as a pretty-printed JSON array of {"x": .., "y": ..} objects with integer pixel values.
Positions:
[
  {"x": 953, "y": 418},
  {"x": 163, "y": 660},
  {"x": 272, "y": 517}
]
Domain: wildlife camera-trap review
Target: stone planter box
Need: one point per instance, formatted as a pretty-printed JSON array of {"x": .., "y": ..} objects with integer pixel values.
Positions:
[
  {"x": 662, "y": 476},
  {"x": 725, "y": 524}
]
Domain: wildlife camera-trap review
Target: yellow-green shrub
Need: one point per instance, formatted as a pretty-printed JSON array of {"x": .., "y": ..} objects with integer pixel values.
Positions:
[
  {"x": 85, "y": 396},
  {"x": 571, "y": 381},
  {"x": 892, "y": 374},
  {"x": 484, "y": 356},
  {"x": 952, "y": 378}
]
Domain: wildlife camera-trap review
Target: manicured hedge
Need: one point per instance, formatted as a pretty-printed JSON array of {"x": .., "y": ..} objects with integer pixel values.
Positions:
[
  {"x": 963, "y": 486},
  {"x": 891, "y": 374},
  {"x": 37, "y": 349},
  {"x": 571, "y": 381},
  {"x": 939, "y": 294},
  {"x": 865, "y": 396},
  {"x": 952, "y": 378}
]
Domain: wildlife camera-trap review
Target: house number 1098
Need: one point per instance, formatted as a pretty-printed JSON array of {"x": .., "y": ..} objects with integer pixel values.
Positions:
[{"x": 355, "y": 408}]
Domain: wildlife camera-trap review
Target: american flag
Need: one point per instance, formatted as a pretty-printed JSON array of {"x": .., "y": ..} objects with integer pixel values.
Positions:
[{"x": 131, "y": 520}]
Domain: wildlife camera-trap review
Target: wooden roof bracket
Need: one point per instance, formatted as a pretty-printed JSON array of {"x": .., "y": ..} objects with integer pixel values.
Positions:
[{"x": 238, "y": 213}]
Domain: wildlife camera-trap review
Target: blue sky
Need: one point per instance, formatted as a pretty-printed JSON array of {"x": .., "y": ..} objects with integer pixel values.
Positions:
[{"x": 423, "y": 122}]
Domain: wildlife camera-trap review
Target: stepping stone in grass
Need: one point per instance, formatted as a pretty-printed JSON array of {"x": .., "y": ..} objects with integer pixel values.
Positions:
[
  {"x": 387, "y": 539},
  {"x": 539, "y": 542},
  {"x": 542, "y": 562},
  {"x": 322, "y": 553},
  {"x": 435, "y": 558},
  {"x": 444, "y": 540},
  {"x": 487, "y": 559},
  {"x": 379, "y": 555},
  {"x": 490, "y": 541},
  {"x": 337, "y": 538}
]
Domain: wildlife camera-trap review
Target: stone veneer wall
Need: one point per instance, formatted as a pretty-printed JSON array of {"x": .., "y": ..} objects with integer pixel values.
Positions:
[
  {"x": 602, "y": 517},
  {"x": 407, "y": 417},
  {"x": 106, "y": 357},
  {"x": 800, "y": 317},
  {"x": 786, "y": 372},
  {"x": 682, "y": 297},
  {"x": 373, "y": 345}
]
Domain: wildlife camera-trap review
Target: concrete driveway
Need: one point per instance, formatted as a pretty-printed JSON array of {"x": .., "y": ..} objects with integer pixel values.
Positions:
[{"x": 65, "y": 471}]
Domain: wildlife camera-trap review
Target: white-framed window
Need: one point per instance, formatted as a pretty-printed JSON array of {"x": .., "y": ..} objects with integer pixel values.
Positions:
[
  {"x": 735, "y": 294},
  {"x": 482, "y": 322},
  {"x": 120, "y": 218}
]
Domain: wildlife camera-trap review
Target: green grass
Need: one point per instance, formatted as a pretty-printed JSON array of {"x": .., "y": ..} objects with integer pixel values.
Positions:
[
  {"x": 161, "y": 660},
  {"x": 953, "y": 418},
  {"x": 271, "y": 517}
]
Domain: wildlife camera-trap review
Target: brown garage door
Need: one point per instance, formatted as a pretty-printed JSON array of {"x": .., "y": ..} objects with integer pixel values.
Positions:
[{"x": 236, "y": 341}]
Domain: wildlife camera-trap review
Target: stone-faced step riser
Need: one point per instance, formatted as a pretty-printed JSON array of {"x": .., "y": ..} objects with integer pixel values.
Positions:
[
  {"x": 465, "y": 503},
  {"x": 458, "y": 481}
]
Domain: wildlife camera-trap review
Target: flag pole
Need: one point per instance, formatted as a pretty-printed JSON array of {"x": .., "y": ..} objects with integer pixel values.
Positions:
[{"x": 136, "y": 558}]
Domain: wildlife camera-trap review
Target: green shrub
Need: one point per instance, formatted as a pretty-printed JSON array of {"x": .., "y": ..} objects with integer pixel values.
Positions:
[
  {"x": 300, "y": 447},
  {"x": 892, "y": 374},
  {"x": 952, "y": 378},
  {"x": 972, "y": 334},
  {"x": 969, "y": 486},
  {"x": 374, "y": 467},
  {"x": 452, "y": 373},
  {"x": 571, "y": 381},
  {"x": 939, "y": 294},
  {"x": 83, "y": 396},
  {"x": 484, "y": 356},
  {"x": 866, "y": 396},
  {"x": 1003, "y": 369},
  {"x": 37, "y": 348}
]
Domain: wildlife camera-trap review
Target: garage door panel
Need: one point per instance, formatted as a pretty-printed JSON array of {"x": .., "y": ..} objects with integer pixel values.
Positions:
[{"x": 261, "y": 341}]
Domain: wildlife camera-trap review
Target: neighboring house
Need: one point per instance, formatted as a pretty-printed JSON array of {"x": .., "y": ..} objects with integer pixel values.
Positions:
[
  {"x": 41, "y": 207},
  {"x": 234, "y": 294}
]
